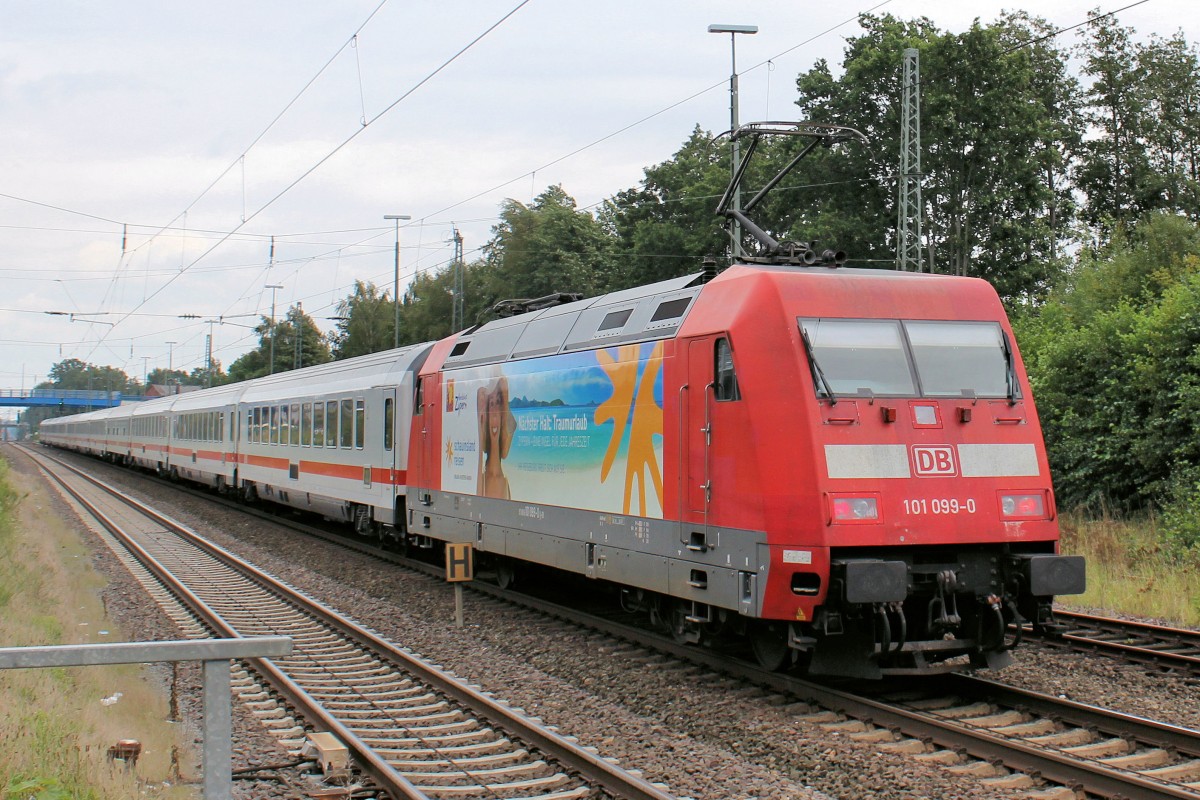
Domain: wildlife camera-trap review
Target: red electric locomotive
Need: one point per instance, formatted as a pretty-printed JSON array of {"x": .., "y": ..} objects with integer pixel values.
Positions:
[{"x": 844, "y": 465}]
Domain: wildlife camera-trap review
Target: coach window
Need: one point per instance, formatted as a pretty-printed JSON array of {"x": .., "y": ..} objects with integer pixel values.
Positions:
[
  {"x": 331, "y": 423},
  {"x": 274, "y": 429},
  {"x": 347, "y": 430},
  {"x": 306, "y": 426},
  {"x": 389, "y": 422},
  {"x": 253, "y": 417},
  {"x": 318, "y": 425},
  {"x": 295, "y": 425},
  {"x": 360, "y": 423},
  {"x": 726, "y": 377}
]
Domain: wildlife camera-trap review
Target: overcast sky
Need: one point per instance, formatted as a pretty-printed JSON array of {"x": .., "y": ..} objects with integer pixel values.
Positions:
[{"x": 137, "y": 183}]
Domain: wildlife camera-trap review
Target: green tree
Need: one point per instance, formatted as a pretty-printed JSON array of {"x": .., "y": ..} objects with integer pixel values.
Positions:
[
  {"x": 1114, "y": 168},
  {"x": 997, "y": 107},
  {"x": 1172, "y": 70},
  {"x": 298, "y": 342},
  {"x": 546, "y": 247},
  {"x": 366, "y": 322},
  {"x": 667, "y": 225},
  {"x": 428, "y": 310},
  {"x": 1114, "y": 358},
  {"x": 73, "y": 374},
  {"x": 168, "y": 377}
]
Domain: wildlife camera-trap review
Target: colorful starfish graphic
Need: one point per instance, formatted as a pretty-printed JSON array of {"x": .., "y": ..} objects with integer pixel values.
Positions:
[{"x": 633, "y": 400}]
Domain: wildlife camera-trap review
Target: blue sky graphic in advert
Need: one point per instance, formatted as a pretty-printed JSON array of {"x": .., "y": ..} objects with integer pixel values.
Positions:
[{"x": 580, "y": 429}]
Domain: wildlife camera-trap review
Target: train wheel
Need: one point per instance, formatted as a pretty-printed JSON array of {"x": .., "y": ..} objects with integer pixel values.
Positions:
[
  {"x": 683, "y": 630},
  {"x": 402, "y": 545},
  {"x": 769, "y": 642},
  {"x": 506, "y": 573}
]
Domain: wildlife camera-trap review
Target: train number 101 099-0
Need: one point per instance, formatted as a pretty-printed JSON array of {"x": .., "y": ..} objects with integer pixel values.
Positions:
[{"x": 939, "y": 505}]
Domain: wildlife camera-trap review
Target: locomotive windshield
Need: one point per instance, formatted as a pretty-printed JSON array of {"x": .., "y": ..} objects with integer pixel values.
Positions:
[
  {"x": 957, "y": 358},
  {"x": 908, "y": 358},
  {"x": 860, "y": 356}
]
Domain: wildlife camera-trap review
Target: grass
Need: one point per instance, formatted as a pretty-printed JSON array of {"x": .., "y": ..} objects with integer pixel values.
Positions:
[
  {"x": 1131, "y": 571},
  {"x": 55, "y": 730}
]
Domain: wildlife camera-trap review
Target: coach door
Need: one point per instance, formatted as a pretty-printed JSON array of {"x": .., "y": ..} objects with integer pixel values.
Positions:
[
  {"x": 425, "y": 451},
  {"x": 390, "y": 446}
]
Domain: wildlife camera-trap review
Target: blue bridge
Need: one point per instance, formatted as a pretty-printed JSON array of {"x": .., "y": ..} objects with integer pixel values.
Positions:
[{"x": 75, "y": 399}]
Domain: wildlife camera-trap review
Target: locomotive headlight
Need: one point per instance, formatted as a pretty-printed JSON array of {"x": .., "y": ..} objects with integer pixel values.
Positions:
[
  {"x": 855, "y": 509},
  {"x": 1022, "y": 506}
]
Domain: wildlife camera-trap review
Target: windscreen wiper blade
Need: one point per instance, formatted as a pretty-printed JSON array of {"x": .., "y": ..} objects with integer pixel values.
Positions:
[
  {"x": 1010, "y": 370},
  {"x": 818, "y": 373}
]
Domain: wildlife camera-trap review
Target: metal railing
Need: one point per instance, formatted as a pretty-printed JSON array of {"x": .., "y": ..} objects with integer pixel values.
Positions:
[
  {"x": 218, "y": 705},
  {"x": 82, "y": 394}
]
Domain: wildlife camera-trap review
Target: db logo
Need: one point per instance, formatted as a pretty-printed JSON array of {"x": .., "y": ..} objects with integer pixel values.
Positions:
[{"x": 934, "y": 461}]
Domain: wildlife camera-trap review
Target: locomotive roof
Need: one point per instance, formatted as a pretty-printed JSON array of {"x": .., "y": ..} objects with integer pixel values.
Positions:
[
  {"x": 660, "y": 310},
  {"x": 642, "y": 313}
]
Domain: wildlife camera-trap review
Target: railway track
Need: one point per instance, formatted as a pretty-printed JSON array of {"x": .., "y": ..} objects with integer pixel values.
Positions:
[
  {"x": 1013, "y": 741},
  {"x": 1162, "y": 646},
  {"x": 414, "y": 729}
]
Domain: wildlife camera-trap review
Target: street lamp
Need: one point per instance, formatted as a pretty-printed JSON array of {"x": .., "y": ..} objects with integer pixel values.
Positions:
[
  {"x": 396, "y": 278},
  {"x": 733, "y": 31},
  {"x": 272, "y": 287}
]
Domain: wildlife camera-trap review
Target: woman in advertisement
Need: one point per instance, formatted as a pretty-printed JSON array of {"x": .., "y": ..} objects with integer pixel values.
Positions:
[{"x": 496, "y": 427}]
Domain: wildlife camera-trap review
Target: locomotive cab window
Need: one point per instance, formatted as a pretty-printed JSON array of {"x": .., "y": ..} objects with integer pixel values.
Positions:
[
  {"x": 956, "y": 359},
  {"x": 726, "y": 385},
  {"x": 858, "y": 356}
]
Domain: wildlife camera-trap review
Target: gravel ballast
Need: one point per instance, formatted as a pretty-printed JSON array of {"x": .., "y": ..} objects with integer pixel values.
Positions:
[{"x": 704, "y": 737}]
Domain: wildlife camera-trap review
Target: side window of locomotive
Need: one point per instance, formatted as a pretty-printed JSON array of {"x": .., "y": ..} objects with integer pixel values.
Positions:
[
  {"x": 725, "y": 374},
  {"x": 419, "y": 399},
  {"x": 858, "y": 356},
  {"x": 389, "y": 422},
  {"x": 956, "y": 359}
]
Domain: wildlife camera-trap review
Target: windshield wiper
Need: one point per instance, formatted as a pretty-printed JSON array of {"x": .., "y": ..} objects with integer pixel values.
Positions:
[
  {"x": 1010, "y": 370},
  {"x": 818, "y": 373}
]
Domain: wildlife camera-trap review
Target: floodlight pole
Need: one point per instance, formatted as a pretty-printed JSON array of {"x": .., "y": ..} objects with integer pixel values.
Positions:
[
  {"x": 733, "y": 31},
  {"x": 396, "y": 276},
  {"x": 272, "y": 287}
]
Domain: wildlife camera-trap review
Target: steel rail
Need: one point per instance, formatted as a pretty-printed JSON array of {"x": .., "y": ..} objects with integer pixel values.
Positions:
[{"x": 1089, "y": 630}]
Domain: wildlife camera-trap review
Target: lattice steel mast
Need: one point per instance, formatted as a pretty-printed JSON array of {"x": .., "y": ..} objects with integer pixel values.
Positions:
[
  {"x": 456, "y": 313},
  {"x": 908, "y": 228}
]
